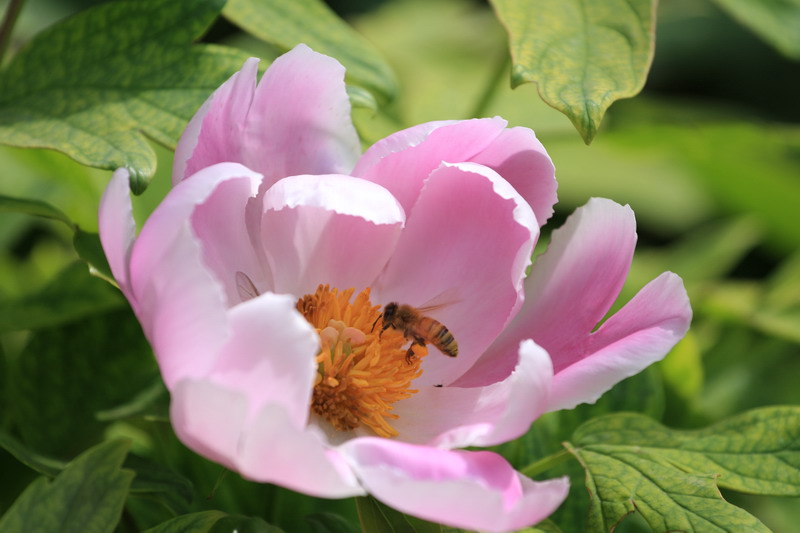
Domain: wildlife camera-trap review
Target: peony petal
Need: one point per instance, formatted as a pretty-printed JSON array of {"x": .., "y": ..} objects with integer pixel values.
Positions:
[
  {"x": 275, "y": 451},
  {"x": 473, "y": 490},
  {"x": 455, "y": 417},
  {"x": 570, "y": 288},
  {"x": 404, "y": 172},
  {"x": 208, "y": 419},
  {"x": 300, "y": 122},
  {"x": 330, "y": 229},
  {"x": 214, "y": 133},
  {"x": 397, "y": 142},
  {"x": 118, "y": 228},
  {"x": 220, "y": 225},
  {"x": 639, "y": 334},
  {"x": 518, "y": 156},
  {"x": 181, "y": 303},
  {"x": 470, "y": 238},
  {"x": 269, "y": 356}
]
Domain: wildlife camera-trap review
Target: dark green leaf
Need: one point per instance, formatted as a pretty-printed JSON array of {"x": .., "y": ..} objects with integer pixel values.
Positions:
[
  {"x": 287, "y": 23},
  {"x": 244, "y": 524},
  {"x": 72, "y": 295},
  {"x": 377, "y": 517},
  {"x": 94, "y": 84},
  {"x": 329, "y": 523},
  {"x": 190, "y": 523},
  {"x": 66, "y": 374},
  {"x": 89, "y": 249},
  {"x": 44, "y": 465},
  {"x": 87, "y": 496},
  {"x": 169, "y": 488},
  {"x": 151, "y": 403},
  {"x": 583, "y": 54},
  {"x": 671, "y": 477},
  {"x": 776, "y": 21}
]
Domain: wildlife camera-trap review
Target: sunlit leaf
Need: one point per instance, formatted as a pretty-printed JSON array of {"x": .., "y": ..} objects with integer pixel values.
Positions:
[
  {"x": 670, "y": 477},
  {"x": 87, "y": 496},
  {"x": 776, "y": 21},
  {"x": 94, "y": 84},
  {"x": 32, "y": 207},
  {"x": 583, "y": 54},
  {"x": 287, "y": 23}
]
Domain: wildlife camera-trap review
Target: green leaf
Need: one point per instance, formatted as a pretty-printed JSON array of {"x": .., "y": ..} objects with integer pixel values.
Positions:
[
  {"x": 633, "y": 464},
  {"x": 329, "y": 523},
  {"x": 190, "y": 523},
  {"x": 87, "y": 496},
  {"x": 582, "y": 54},
  {"x": 286, "y": 23},
  {"x": 150, "y": 403},
  {"x": 95, "y": 84},
  {"x": 775, "y": 21},
  {"x": 378, "y": 518},
  {"x": 72, "y": 295},
  {"x": 33, "y": 207},
  {"x": 67, "y": 373},
  {"x": 87, "y": 246},
  {"x": 44, "y": 465},
  {"x": 168, "y": 487}
]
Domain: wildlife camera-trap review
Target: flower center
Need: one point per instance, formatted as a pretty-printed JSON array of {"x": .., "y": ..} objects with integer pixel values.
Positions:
[{"x": 361, "y": 370}]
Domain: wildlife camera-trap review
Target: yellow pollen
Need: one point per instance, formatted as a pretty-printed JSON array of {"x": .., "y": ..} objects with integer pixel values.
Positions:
[{"x": 361, "y": 371}]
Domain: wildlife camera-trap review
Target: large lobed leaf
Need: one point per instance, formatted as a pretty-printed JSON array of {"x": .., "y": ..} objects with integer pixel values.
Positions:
[
  {"x": 634, "y": 464},
  {"x": 582, "y": 54},
  {"x": 286, "y": 23},
  {"x": 87, "y": 496},
  {"x": 95, "y": 84}
]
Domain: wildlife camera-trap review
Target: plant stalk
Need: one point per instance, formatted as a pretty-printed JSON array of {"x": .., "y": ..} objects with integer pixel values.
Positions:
[
  {"x": 9, "y": 20},
  {"x": 490, "y": 90},
  {"x": 546, "y": 463}
]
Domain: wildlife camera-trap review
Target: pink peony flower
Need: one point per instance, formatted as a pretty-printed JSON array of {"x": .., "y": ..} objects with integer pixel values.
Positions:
[{"x": 261, "y": 278}]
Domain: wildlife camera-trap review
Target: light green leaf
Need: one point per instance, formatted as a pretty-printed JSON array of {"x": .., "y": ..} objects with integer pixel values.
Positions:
[
  {"x": 93, "y": 85},
  {"x": 671, "y": 477},
  {"x": 72, "y": 295},
  {"x": 32, "y": 207},
  {"x": 582, "y": 54},
  {"x": 88, "y": 247},
  {"x": 776, "y": 21},
  {"x": 286, "y": 23},
  {"x": 87, "y": 496}
]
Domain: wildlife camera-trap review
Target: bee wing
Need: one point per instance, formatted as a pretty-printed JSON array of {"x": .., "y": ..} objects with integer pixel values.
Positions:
[
  {"x": 443, "y": 299},
  {"x": 245, "y": 287}
]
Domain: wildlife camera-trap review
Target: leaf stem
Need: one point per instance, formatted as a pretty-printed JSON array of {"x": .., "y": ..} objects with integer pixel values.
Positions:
[
  {"x": 537, "y": 467},
  {"x": 494, "y": 83},
  {"x": 9, "y": 19}
]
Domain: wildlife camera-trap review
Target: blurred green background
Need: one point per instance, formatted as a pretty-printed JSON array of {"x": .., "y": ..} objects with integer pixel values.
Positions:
[{"x": 708, "y": 156}]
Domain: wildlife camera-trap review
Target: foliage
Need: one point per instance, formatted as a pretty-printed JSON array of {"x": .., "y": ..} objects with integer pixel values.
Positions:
[{"x": 85, "y": 442}]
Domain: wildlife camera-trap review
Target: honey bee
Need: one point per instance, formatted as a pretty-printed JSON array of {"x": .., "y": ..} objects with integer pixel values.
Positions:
[{"x": 419, "y": 328}]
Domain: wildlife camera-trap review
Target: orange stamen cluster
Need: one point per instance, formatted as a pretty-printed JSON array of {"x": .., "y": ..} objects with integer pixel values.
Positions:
[{"x": 361, "y": 371}]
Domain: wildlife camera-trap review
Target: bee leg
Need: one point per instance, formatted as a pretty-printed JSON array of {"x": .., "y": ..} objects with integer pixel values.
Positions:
[
  {"x": 419, "y": 341},
  {"x": 376, "y": 322}
]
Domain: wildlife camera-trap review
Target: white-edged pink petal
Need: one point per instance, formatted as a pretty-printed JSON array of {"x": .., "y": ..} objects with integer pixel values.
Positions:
[
  {"x": 397, "y": 142},
  {"x": 269, "y": 355},
  {"x": 329, "y": 229},
  {"x": 404, "y": 172},
  {"x": 470, "y": 238},
  {"x": 639, "y": 334},
  {"x": 473, "y": 490},
  {"x": 569, "y": 290},
  {"x": 518, "y": 156},
  {"x": 118, "y": 228},
  {"x": 299, "y": 122},
  {"x": 457, "y": 417},
  {"x": 214, "y": 134},
  {"x": 181, "y": 303},
  {"x": 274, "y": 450}
]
